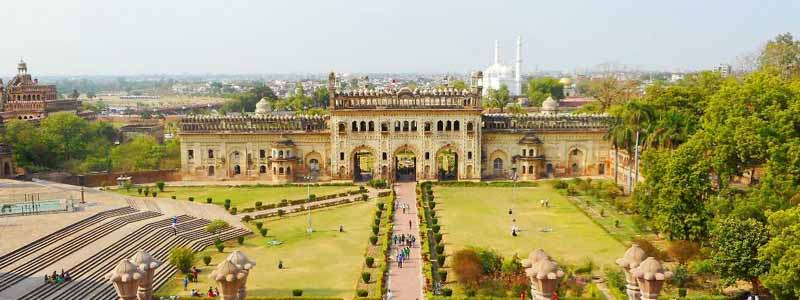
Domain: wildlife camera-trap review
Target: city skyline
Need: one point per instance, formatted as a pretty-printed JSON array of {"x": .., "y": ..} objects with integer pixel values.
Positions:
[{"x": 248, "y": 37}]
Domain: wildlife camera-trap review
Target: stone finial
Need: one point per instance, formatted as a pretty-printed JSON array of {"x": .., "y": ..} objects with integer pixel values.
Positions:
[
  {"x": 544, "y": 276},
  {"x": 534, "y": 257},
  {"x": 650, "y": 276},
  {"x": 632, "y": 258},
  {"x": 228, "y": 277},
  {"x": 147, "y": 265},
  {"x": 243, "y": 262},
  {"x": 125, "y": 277}
]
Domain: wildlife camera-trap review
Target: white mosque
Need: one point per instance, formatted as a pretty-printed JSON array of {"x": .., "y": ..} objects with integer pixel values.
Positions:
[{"x": 499, "y": 74}]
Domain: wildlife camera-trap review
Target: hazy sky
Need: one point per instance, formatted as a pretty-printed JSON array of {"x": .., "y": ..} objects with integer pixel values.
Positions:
[{"x": 69, "y": 37}]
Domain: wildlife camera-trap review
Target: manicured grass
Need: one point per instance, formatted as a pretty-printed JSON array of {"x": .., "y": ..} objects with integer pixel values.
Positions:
[
  {"x": 605, "y": 214},
  {"x": 478, "y": 216},
  {"x": 322, "y": 264},
  {"x": 241, "y": 197}
]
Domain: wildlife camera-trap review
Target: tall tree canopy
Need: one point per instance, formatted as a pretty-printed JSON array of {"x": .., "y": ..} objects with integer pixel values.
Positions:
[{"x": 541, "y": 88}]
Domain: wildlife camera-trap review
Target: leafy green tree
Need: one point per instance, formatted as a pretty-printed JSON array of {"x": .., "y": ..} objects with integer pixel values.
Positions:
[
  {"x": 459, "y": 85},
  {"x": 782, "y": 253},
  {"x": 67, "y": 134},
  {"x": 141, "y": 153},
  {"x": 609, "y": 90},
  {"x": 783, "y": 54},
  {"x": 30, "y": 150},
  {"x": 541, "y": 88},
  {"x": 499, "y": 98},
  {"x": 182, "y": 258},
  {"x": 216, "y": 226},
  {"x": 321, "y": 97},
  {"x": 734, "y": 250}
]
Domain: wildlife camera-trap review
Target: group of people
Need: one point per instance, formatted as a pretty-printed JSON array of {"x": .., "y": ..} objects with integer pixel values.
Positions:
[
  {"x": 544, "y": 203},
  {"x": 402, "y": 255},
  {"x": 212, "y": 292},
  {"x": 194, "y": 273},
  {"x": 403, "y": 206},
  {"x": 407, "y": 239},
  {"x": 57, "y": 278}
]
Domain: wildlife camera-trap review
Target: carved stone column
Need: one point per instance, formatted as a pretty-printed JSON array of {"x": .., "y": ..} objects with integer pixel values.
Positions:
[
  {"x": 125, "y": 277},
  {"x": 631, "y": 260},
  {"x": 534, "y": 257},
  {"x": 228, "y": 277},
  {"x": 544, "y": 276},
  {"x": 147, "y": 265},
  {"x": 240, "y": 260},
  {"x": 650, "y": 275}
]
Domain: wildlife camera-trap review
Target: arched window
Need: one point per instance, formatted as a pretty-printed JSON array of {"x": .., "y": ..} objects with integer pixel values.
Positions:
[
  {"x": 469, "y": 155},
  {"x": 427, "y": 126},
  {"x": 354, "y": 127},
  {"x": 210, "y": 153},
  {"x": 449, "y": 126},
  {"x": 384, "y": 127},
  {"x": 313, "y": 165},
  {"x": 363, "y": 126},
  {"x": 469, "y": 126},
  {"x": 397, "y": 126},
  {"x": 524, "y": 169},
  {"x": 280, "y": 170},
  {"x": 262, "y": 153},
  {"x": 405, "y": 126},
  {"x": 342, "y": 127},
  {"x": 280, "y": 153},
  {"x": 413, "y": 125},
  {"x": 211, "y": 171},
  {"x": 456, "y": 126},
  {"x": 288, "y": 170},
  {"x": 530, "y": 169},
  {"x": 439, "y": 126},
  {"x": 498, "y": 166},
  {"x": 524, "y": 152},
  {"x": 371, "y": 126},
  {"x": 262, "y": 169},
  {"x": 237, "y": 170}
]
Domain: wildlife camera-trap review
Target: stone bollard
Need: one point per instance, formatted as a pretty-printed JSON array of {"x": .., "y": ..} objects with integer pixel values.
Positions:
[
  {"x": 533, "y": 258},
  {"x": 147, "y": 265},
  {"x": 125, "y": 277},
  {"x": 229, "y": 278},
  {"x": 544, "y": 276},
  {"x": 240, "y": 260},
  {"x": 632, "y": 258},
  {"x": 650, "y": 276}
]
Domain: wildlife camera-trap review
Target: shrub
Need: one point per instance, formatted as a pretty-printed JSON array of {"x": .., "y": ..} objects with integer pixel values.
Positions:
[
  {"x": 160, "y": 185},
  {"x": 440, "y": 259},
  {"x": 447, "y": 292},
  {"x": 437, "y": 237},
  {"x": 362, "y": 189},
  {"x": 370, "y": 261},
  {"x": 467, "y": 267},
  {"x": 312, "y": 198},
  {"x": 247, "y": 218},
  {"x": 139, "y": 189},
  {"x": 435, "y": 221},
  {"x": 191, "y": 199},
  {"x": 681, "y": 292},
  {"x": 373, "y": 240},
  {"x": 443, "y": 275},
  {"x": 206, "y": 260},
  {"x": 616, "y": 280},
  {"x": 263, "y": 231},
  {"x": 227, "y": 206},
  {"x": 258, "y": 204},
  {"x": 439, "y": 249},
  {"x": 377, "y": 221},
  {"x": 433, "y": 213},
  {"x": 234, "y": 210},
  {"x": 281, "y": 212},
  {"x": 227, "y": 201},
  {"x": 471, "y": 293},
  {"x": 377, "y": 183},
  {"x": 432, "y": 205},
  {"x": 259, "y": 225},
  {"x": 240, "y": 239},
  {"x": 365, "y": 276},
  {"x": 680, "y": 276},
  {"x": 209, "y": 200},
  {"x": 364, "y": 197},
  {"x": 182, "y": 258},
  {"x": 361, "y": 293},
  {"x": 683, "y": 251},
  {"x": 380, "y": 205},
  {"x": 155, "y": 194},
  {"x": 436, "y": 228},
  {"x": 147, "y": 192},
  {"x": 375, "y": 229},
  {"x": 560, "y": 184},
  {"x": 174, "y": 197},
  {"x": 216, "y": 225},
  {"x": 297, "y": 292},
  {"x": 220, "y": 247},
  {"x": 586, "y": 267}
]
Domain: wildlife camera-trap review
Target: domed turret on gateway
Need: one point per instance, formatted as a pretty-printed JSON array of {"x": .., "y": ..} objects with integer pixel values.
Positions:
[
  {"x": 550, "y": 106},
  {"x": 263, "y": 107}
]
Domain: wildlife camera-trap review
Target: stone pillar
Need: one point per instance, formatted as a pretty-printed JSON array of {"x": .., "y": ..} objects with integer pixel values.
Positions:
[
  {"x": 147, "y": 265},
  {"x": 631, "y": 260},
  {"x": 534, "y": 257},
  {"x": 228, "y": 277},
  {"x": 125, "y": 277},
  {"x": 544, "y": 276},
  {"x": 240, "y": 260},
  {"x": 650, "y": 276}
]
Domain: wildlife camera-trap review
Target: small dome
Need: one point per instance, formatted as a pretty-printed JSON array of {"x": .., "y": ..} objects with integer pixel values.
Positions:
[
  {"x": 263, "y": 107},
  {"x": 550, "y": 105},
  {"x": 500, "y": 71},
  {"x": 565, "y": 81}
]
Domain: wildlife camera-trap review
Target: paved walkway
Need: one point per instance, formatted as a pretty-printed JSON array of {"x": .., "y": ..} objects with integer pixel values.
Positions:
[{"x": 406, "y": 283}]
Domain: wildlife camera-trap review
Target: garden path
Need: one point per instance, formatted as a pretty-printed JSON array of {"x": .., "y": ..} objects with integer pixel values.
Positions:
[{"x": 406, "y": 283}]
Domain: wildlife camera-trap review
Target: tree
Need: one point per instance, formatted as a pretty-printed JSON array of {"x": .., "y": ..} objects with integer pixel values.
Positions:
[
  {"x": 734, "y": 253},
  {"x": 216, "y": 226},
  {"x": 609, "y": 90},
  {"x": 467, "y": 268},
  {"x": 182, "y": 258},
  {"x": 783, "y": 54},
  {"x": 541, "y": 88},
  {"x": 321, "y": 98},
  {"x": 141, "y": 153},
  {"x": 67, "y": 134},
  {"x": 499, "y": 98},
  {"x": 782, "y": 253},
  {"x": 683, "y": 251},
  {"x": 91, "y": 95},
  {"x": 459, "y": 85}
]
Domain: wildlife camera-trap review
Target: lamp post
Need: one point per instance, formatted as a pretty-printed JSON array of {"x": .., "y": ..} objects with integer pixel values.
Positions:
[
  {"x": 243, "y": 262},
  {"x": 125, "y": 277},
  {"x": 308, "y": 179},
  {"x": 544, "y": 276},
  {"x": 632, "y": 259},
  {"x": 650, "y": 276},
  {"x": 147, "y": 265},
  {"x": 229, "y": 278}
]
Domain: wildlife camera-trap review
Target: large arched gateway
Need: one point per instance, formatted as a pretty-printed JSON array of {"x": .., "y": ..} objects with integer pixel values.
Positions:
[
  {"x": 363, "y": 164},
  {"x": 447, "y": 163},
  {"x": 405, "y": 164}
]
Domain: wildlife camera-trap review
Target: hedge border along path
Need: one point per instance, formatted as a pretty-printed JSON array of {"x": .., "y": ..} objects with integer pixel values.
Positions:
[
  {"x": 427, "y": 238},
  {"x": 379, "y": 252}
]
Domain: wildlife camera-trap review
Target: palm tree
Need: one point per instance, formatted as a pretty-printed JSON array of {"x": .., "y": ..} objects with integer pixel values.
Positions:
[{"x": 638, "y": 117}]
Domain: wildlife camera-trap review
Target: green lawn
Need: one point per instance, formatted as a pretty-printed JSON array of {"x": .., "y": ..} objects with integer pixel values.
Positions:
[
  {"x": 244, "y": 196},
  {"x": 478, "y": 216},
  {"x": 323, "y": 264}
]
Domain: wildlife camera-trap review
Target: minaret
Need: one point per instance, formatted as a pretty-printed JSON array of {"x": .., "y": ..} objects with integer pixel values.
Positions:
[
  {"x": 518, "y": 68},
  {"x": 22, "y": 67},
  {"x": 496, "y": 52}
]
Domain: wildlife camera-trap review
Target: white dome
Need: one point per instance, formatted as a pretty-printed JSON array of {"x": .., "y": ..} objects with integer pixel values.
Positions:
[
  {"x": 499, "y": 71},
  {"x": 550, "y": 105},
  {"x": 263, "y": 107}
]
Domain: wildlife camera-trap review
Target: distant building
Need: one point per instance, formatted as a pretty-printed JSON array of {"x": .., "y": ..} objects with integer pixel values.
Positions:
[
  {"x": 499, "y": 74},
  {"x": 25, "y": 99},
  {"x": 724, "y": 70}
]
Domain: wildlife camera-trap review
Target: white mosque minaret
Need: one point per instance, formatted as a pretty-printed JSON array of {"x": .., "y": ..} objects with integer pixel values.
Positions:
[{"x": 499, "y": 74}]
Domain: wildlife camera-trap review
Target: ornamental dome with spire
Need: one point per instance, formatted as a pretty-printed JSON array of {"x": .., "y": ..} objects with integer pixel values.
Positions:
[{"x": 263, "y": 107}]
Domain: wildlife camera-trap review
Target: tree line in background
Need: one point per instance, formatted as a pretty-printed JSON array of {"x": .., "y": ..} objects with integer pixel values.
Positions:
[
  {"x": 702, "y": 139},
  {"x": 297, "y": 101},
  {"x": 64, "y": 141}
]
